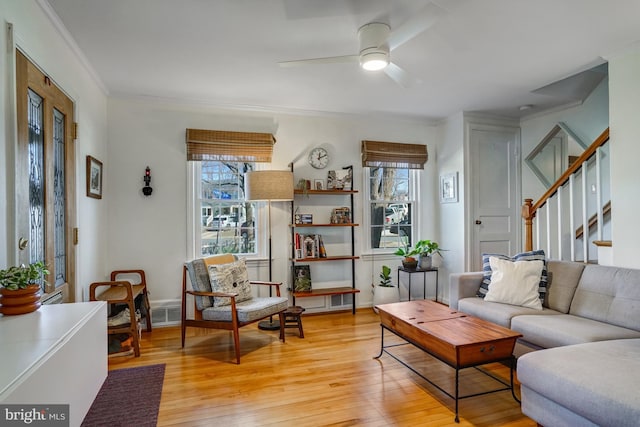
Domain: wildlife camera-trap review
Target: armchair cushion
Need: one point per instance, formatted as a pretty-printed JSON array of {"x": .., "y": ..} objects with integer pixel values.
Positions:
[
  {"x": 249, "y": 310},
  {"x": 230, "y": 278},
  {"x": 199, "y": 278}
]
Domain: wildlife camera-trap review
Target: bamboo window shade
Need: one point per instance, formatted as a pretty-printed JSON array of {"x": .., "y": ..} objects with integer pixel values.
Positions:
[
  {"x": 229, "y": 146},
  {"x": 394, "y": 155}
]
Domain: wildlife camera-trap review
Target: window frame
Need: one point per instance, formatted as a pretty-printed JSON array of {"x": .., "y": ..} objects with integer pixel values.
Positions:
[
  {"x": 413, "y": 192},
  {"x": 194, "y": 215}
]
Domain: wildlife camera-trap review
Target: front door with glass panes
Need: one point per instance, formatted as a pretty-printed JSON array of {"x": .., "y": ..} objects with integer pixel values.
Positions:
[{"x": 45, "y": 177}]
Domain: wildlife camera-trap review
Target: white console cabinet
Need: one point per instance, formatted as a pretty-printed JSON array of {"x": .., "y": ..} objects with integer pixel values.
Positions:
[{"x": 55, "y": 355}]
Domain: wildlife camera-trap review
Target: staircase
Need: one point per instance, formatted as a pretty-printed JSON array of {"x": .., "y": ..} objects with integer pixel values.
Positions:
[{"x": 577, "y": 201}]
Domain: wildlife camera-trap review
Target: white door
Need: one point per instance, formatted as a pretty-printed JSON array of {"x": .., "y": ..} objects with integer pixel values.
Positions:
[{"x": 495, "y": 191}]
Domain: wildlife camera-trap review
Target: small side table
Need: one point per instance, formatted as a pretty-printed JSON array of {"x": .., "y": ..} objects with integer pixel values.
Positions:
[
  {"x": 424, "y": 272},
  {"x": 292, "y": 318}
]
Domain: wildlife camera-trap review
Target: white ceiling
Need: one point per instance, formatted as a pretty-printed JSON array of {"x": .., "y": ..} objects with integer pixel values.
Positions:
[{"x": 482, "y": 55}]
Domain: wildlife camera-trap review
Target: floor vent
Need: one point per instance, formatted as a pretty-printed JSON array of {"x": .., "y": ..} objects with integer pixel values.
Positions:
[
  {"x": 167, "y": 315},
  {"x": 341, "y": 301}
]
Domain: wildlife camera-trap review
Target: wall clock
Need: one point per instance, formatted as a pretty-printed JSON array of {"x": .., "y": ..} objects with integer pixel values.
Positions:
[{"x": 318, "y": 158}]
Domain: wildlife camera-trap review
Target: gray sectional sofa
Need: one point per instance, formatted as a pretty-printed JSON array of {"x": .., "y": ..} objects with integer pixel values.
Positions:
[{"x": 579, "y": 357}]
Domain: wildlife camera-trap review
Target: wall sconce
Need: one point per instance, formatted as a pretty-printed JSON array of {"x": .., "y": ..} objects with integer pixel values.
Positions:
[{"x": 146, "y": 190}]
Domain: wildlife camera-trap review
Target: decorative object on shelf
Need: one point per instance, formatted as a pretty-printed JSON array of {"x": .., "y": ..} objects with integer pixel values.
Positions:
[
  {"x": 318, "y": 184},
  {"x": 318, "y": 158},
  {"x": 384, "y": 292},
  {"x": 340, "y": 179},
  {"x": 19, "y": 288},
  {"x": 269, "y": 185},
  {"x": 94, "y": 178},
  {"x": 147, "y": 190},
  {"x": 302, "y": 278},
  {"x": 449, "y": 188},
  {"x": 322, "y": 251},
  {"x": 341, "y": 215},
  {"x": 304, "y": 218}
]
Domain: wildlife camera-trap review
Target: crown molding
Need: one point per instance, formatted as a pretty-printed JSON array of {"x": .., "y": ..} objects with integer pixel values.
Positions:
[{"x": 71, "y": 43}]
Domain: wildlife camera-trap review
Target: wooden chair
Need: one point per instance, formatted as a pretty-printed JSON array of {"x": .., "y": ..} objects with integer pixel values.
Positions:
[
  {"x": 231, "y": 317},
  {"x": 124, "y": 292}
]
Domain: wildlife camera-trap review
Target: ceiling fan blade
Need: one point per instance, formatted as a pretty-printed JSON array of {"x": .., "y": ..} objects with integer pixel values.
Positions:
[
  {"x": 418, "y": 23},
  {"x": 327, "y": 60},
  {"x": 399, "y": 75}
]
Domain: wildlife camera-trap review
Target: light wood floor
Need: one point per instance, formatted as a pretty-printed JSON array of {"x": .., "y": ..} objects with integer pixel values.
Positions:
[{"x": 328, "y": 378}]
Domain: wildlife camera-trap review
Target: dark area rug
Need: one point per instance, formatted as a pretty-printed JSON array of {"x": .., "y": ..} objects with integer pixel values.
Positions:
[{"x": 128, "y": 397}]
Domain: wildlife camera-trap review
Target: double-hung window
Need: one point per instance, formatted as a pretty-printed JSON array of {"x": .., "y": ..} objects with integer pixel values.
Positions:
[
  {"x": 392, "y": 171},
  {"x": 221, "y": 220},
  {"x": 392, "y": 207}
]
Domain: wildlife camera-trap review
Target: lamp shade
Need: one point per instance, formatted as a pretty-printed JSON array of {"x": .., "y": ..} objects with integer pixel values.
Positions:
[{"x": 268, "y": 185}]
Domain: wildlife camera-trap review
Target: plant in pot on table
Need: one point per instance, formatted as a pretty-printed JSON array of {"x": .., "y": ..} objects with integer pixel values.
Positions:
[
  {"x": 426, "y": 249},
  {"x": 384, "y": 292},
  {"x": 19, "y": 288}
]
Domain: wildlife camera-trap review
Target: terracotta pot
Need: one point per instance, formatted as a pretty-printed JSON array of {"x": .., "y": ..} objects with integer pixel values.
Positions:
[
  {"x": 410, "y": 263},
  {"x": 19, "y": 301}
]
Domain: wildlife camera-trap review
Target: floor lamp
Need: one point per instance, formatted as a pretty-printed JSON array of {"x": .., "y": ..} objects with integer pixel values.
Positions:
[{"x": 269, "y": 186}]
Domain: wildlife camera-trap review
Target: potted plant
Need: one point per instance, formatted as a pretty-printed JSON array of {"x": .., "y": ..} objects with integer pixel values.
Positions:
[
  {"x": 409, "y": 260},
  {"x": 384, "y": 292},
  {"x": 19, "y": 288},
  {"x": 426, "y": 248}
]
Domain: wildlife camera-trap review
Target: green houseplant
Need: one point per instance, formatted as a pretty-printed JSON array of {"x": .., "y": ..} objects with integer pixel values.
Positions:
[
  {"x": 19, "y": 288},
  {"x": 424, "y": 249},
  {"x": 384, "y": 292}
]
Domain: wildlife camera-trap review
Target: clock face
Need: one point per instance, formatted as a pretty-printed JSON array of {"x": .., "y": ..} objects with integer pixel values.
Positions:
[{"x": 319, "y": 158}]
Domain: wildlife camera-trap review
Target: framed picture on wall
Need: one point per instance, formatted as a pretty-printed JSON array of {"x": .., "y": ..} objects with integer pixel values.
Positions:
[
  {"x": 449, "y": 188},
  {"x": 94, "y": 178}
]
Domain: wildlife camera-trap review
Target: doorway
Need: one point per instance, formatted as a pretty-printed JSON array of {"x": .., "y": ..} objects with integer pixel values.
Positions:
[{"x": 45, "y": 178}]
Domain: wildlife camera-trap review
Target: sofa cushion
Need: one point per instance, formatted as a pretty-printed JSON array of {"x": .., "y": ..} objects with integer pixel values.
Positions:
[
  {"x": 565, "y": 329},
  {"x": 563, "y": 278},
  {"x": 230, "y": 278},
  {"x": 515, "y": 282},
  {"x": 249, "y": 310},
  {"x": 609, "y": 294},
  {"x": 595, "y": 380},
  {"x": 524, "y": 256},
  {"x": 496, "y": 312}
]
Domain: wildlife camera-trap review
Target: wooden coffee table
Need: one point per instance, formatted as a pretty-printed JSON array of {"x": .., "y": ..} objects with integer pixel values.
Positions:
[{"x": 457, "y": 339}]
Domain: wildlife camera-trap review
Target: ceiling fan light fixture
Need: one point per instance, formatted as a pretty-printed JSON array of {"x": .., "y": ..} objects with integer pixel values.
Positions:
[{"x": 374, "y": 61}]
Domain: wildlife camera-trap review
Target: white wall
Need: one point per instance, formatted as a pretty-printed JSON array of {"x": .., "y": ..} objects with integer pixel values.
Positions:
[
  {"x": 586, "y": 120},
  {"x": 452, "y": 230},
  {"x": 624, "y": 92},
  {"x": 36, "y": 36},
  {"x": 150, "y": 232}
]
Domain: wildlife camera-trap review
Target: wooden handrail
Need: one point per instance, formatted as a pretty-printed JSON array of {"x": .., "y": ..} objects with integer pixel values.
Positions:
[{"x": 529, "y": 208}]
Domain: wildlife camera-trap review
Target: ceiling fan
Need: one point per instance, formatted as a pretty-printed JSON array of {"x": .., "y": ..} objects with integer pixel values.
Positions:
[{"x": 377, "y": 41}]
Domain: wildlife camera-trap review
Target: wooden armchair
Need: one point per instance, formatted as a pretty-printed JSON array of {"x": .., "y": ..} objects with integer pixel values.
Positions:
[{"x": 229, "y": 308}]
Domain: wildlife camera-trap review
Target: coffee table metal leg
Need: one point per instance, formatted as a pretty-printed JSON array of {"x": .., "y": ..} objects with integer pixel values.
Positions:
[
  {"x": 512, "y": 364},
  {"x": 381, "y": 342}
]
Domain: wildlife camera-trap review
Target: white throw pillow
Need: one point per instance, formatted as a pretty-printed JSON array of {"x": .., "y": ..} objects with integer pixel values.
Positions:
[
  {"x": 515, "y": 283},
  {"x": 230, "y": 278}
]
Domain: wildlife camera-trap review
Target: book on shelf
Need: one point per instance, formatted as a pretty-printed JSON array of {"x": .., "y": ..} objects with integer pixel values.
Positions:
[
  {"x": 309, "y": 246},
  {"x": 301, "y": 278}
]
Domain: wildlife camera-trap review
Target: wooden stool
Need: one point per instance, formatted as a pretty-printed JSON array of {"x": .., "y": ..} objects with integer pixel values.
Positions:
[{"x": 292, "y": 319}]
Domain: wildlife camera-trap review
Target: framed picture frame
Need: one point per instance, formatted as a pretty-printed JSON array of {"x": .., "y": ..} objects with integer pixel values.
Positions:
[
  {"x": 449, "y": 188},
  {"x": 318, "y": 184},
  {"x": 94, "y": 178}
]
